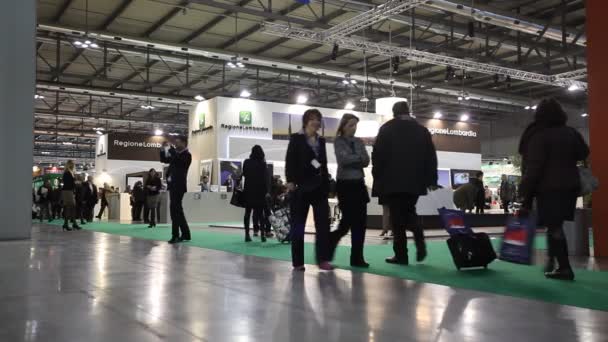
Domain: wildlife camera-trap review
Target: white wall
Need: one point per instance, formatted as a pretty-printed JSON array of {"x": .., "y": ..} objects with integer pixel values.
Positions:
[{"x": 203, "y": 145}]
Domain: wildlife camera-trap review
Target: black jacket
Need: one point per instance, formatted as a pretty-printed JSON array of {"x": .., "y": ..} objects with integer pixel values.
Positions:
[
  {"x": 44, "y": 198},
  {"x": 177, "y": 174},
  {"x": 79, "y": 194},
  {"x": 480, "y": 194},
  {"x": 138, "y": 193},
  {"x": 404, "y": 159},
  {"x": 549, "y": 161},
  {"x": 68, "y": 181},
  {"x": 90, "y": 197},
  {"x": 299, "y": 167},
  {"x": 256, "y": 182},
  {"x": 153, "y": 182}
]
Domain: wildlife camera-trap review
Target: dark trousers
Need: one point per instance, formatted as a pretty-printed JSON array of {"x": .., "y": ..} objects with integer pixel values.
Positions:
[
  {"x": 45, "y": 211},
  {"x": 258, "y": 219},
  {"x": 353, "y": 199},
  {"x": 88, "y": 211},
  {"x": 505, "y": 206},
  {"x": 557, "y": 245},
  {"x": 300, "y": 206},
  {"x": 178, "y": 219},
  {"x": 57, "y": 208},
  {"x": 403, "y": 217},
  {"x": 103, "y": 207},
  {"x": 137, "y": 207}
]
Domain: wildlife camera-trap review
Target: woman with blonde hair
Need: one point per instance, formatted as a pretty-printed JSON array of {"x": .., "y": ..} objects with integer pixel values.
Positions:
[
  {"x": 352, "y": 158},
  {"x": 68, "y": 196}
]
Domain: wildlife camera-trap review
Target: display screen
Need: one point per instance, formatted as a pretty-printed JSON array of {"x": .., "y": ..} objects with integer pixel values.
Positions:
[
  {"x": 461, "y": 178},
  {"x": 443, "y": 178}
]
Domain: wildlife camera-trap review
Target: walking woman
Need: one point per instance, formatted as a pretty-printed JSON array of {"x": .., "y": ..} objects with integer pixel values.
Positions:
[
  {"x": 152, "y": 190},
  {"x": 255, "y": 190},
  {"x": 308, "y": 177},
  {"x": 69, "y": 199},
  {"x": 550, "y": 152},
  {"x": 352, "y": 158}
]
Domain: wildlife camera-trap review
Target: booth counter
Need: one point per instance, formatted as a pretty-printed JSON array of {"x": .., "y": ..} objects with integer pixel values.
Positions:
[
  {"x": 209, "y": 207},
  {"x": 119, "y": 207}
]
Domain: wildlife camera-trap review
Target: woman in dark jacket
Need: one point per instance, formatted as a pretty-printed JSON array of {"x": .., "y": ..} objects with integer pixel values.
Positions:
[
  {"x": 308, "y": 177},
  {"x": 152, "y": 189},
  {"x": 550, "y": 152},
  {"x": 255, "y": 190},
  {"x": 353, "y": 197},
  {"x": 68, "y": 197}
]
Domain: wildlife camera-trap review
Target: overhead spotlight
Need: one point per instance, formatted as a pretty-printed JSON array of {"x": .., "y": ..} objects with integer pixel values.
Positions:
[
  {"x": 353, "y": 81},
  {"x": 148, "y": 106},
  {"x": 173, "y": 134},
  {"x": 245, "y": 93},
  {"x": 199, "y": 98},
  {"x": 534, "y": 107},
  {"x": 349, "y": 106},
  {"x": 95, "y": 46},
  {"x": 86, "y": 44},
  {"x": 240, "y": 65},
  {"x": 334, "y": 52},
  {"x": 67, "y": 143},
  {"x": 158, "y": 132},
  {"x": 471, "y": 29},
  {"x": 364, "y": 99},
  {"x": 467, "y": 97},
  {"x": 395, "y": 60},
  {"x": 585, "y": 115},
  {"x": 527, "y": 107},
  {"x": 231, "y": 65},
  {"x": 460, "y": 98},
  {"x": 38, "y": 97},
  {"x": 574, "y": 87},
  {"x": 464, "y": 117},
  {"x": 302, "y": 99},
  {"x": 345, "y": 81},
  {"x": 99, "y": 132},
  {"x": 437, "y": 115}
]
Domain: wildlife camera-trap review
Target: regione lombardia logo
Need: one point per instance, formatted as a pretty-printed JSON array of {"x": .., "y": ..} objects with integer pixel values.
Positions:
[{"x": 245, "y": 118}]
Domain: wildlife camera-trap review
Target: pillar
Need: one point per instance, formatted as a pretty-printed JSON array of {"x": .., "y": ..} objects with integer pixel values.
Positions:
[
  {"x": 17, "y": 87},
  {"x": 597, "y": 68}
]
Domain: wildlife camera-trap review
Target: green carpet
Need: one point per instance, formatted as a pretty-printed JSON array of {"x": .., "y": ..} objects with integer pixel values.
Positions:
[{"x": 588, "y": 291}]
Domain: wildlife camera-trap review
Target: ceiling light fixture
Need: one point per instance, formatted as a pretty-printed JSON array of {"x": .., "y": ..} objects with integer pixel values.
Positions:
[
  {"x": 199, "y": 98},
  {"x": 527, "y": 107},
  {"x": 302, "y": 99},
  {"x": 349, "y": 106},
  {"x": 364, "y": 99},
  {"x": 574, "y": 87},
  {"x": 464, "y": 117},
  {"x": 534, "y": 107},
  {"x": 437, "y": 115},
  {"x": 148, "y": 106},
  {"x": 99, "y": 132},
  {"x": 38, "y": 97},
  {"x": 585, "y": 115},
  {"x": 245, "y": 93},
  {"x": 158, "y": 132}
]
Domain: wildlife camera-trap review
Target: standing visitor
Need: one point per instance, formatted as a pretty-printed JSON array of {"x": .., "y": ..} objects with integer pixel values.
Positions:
[
  {"x": 179, "y": 159},
  {"x": 352, "y": 158},
  {"x": 480, "y": 193},
  {"x": 103, "y": 197},
  {"x": 90, "y": 198},
  {"x": 79, "y": 197},
  {"x": 56, "y": 204},
  {"x": 44, "y": 201},
  {"x": 255, "y": 191},
  {"x": 550, "y": 152},
  {"x": 308, "y": 178},
  {"x": 139, "y": 197},
  {"x": 404, "y": 168},
  {"x": 68, "y": 197},
  {"x": 507, "y": 193},
  {"x": 152, "y": 188},
  {"x": 205, "y": 187}
]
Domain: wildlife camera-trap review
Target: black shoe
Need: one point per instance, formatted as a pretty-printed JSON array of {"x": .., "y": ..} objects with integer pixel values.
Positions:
[
  {"x": 174, "y": 240},
  {"x": 247, "y": 238},
  {"x": 561, "y": 274},
  {"x": 151, "y": 225},
  {"x": 360, "y": 263},
  {"x": 550, "y": 265},
  {"x": 395, "y": 260},
  {"x": 66, "y": 227},
  {"x": 83, "y": 222},
  {"x": 420, "y": 255},
  {"x": 50, "y": 220},
  {"x": 185, "y": 239},
  {"x": 76, "y": 227},
  {"x": 263, "y": 236},
  {"x": 255, "y": 233}
]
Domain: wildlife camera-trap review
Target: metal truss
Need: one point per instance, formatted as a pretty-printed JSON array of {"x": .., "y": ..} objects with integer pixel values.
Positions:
[
  {"x": 363, "y": 20},
  {"x": 572, "y": 75},
  {"x": 281, "y": 30}
]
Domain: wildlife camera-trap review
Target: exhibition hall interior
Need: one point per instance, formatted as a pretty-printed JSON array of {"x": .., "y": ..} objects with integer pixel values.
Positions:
[{"x": 303, "y": 170}]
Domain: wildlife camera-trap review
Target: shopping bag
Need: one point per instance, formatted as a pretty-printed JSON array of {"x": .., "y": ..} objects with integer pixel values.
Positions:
[
  {"x": 454, "y": 221},
  {"x": 518, "y": 240},
  {"x": 238, "y": 198}
]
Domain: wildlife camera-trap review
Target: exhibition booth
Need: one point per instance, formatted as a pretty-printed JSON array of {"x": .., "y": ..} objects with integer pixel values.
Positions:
[{"x": 222, "y": 132}]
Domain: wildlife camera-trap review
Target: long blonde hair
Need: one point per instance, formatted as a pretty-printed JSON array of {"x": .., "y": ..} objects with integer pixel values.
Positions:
[{"x": 345, "y": 119}]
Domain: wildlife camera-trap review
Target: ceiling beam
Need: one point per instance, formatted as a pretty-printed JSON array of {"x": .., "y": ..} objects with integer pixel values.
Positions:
[
  {"x": 64, "y": 7},
  {"x": 115, "y": 14},
  {"x": 172, "y": 13},
  {"x": 229, "y": 11}
]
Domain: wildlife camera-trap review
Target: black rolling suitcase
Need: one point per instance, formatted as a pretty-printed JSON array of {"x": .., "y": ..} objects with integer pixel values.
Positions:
[{"x": 471, "y": 250}]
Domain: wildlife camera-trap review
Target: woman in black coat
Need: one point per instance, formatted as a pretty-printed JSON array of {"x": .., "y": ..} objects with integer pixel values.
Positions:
[
  {"x": 550, "y": 152},
  {"x": 308, "y": 178},
  {"x": 255, "y": 190}
]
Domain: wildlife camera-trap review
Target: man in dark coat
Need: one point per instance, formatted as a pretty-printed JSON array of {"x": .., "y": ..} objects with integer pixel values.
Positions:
[
  {"x": 90, "y": 198},
  {"x": 179, "y": 159},
  {"x": 404, "y": 167}
]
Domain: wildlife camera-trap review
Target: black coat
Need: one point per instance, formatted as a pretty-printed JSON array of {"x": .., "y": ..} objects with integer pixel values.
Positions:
[
  {"x": 156, "y": 182},
  {"x": 256, "y": 182},
  {"x": 480, "y": 194},
  {"x": 139, "y": 196},
  {"x": 404, "y": 159},
  {"x": 90, "y": 197},
  {"x": 299, "y": 167},
  {"x": 549, "y": 162},
  {"x": 177, "y": 174}
]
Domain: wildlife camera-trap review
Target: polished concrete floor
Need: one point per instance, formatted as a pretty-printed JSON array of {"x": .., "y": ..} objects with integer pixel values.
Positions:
[{"x": 84, "y": 286}]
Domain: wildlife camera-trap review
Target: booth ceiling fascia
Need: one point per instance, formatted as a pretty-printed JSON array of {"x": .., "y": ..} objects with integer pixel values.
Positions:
[{"x": 179, "y": 50}]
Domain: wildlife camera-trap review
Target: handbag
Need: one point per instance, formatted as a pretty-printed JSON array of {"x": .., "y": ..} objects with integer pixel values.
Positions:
[
  {"x": 589, "y": 183},
  {"x": 238, "y": 198}
]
